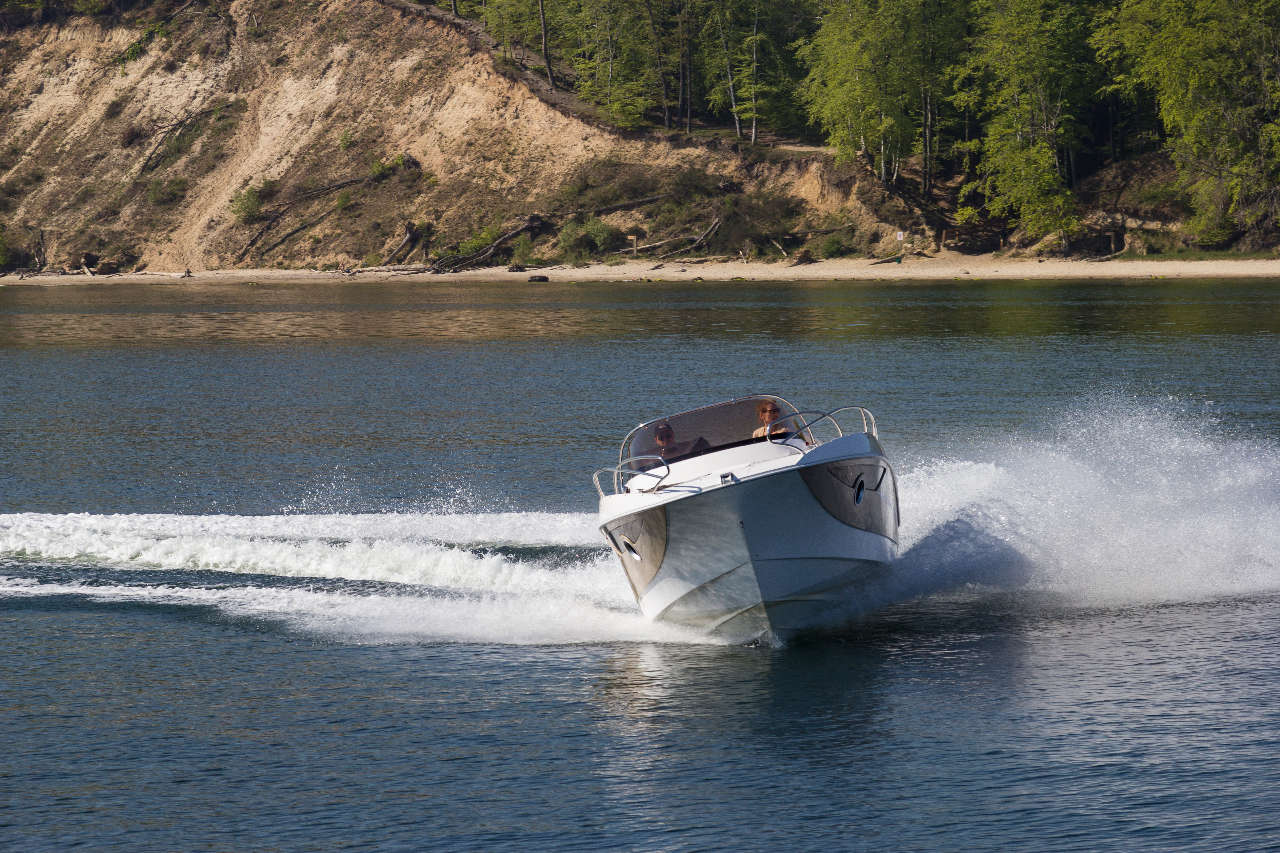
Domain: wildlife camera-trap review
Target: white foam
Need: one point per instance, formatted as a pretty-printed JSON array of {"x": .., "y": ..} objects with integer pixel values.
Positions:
[
  {"x": 463, "y": 595},
  {"x": 396, "y": 548},
  {"x": 542, "y": 619},
  {"x": 1121, "y": 505}
]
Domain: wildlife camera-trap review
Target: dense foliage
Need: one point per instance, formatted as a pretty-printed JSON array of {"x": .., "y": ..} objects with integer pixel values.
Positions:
[
  {"x": 1025, "y": 98},
  {"x": 1022, "y": 98}
]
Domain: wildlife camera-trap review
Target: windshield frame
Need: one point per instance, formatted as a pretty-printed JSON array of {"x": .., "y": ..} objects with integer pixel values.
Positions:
[{"x": 649, "y": 448}]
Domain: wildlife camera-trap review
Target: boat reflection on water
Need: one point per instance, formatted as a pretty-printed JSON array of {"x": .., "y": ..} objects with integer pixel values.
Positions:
[{"x": 749, "y": 519}]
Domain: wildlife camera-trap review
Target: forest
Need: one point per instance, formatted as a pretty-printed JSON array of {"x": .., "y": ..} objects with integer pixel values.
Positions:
[{"x": 1003, "y": 107}]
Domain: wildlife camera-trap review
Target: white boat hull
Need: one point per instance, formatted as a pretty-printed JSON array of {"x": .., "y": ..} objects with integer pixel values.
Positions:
[{"x": 767, "y": 557}]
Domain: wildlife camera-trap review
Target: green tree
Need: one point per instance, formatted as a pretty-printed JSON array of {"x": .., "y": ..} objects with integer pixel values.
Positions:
[
  {"x": 612, "y": 59},
  {"x": 1037, "y": 74},
  {"x": 1214, "y": 68},
  {"x": 861, "y": 86}
]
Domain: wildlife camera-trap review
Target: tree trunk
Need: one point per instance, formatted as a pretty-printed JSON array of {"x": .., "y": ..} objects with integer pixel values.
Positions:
[
  {"x": 755, "y": 70},
  {"x": 728, "y": 71},
  {"x": 546, "y": 50},
  {"x": 657, "y": 65},
  {"x": 926, "y": 163},
  {"x": 884, "y": 177},
  {"x": 687, "y": 58}
]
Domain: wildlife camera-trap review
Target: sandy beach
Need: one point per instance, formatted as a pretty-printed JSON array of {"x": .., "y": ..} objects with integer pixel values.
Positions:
[{"x": 944, "y": 266}]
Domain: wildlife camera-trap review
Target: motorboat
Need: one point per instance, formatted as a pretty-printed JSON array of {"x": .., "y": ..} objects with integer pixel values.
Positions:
[{"x": 750, "y": 519}]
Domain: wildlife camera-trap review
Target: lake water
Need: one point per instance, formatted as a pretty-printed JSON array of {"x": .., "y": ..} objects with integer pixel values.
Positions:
[{"x": 299, "y": 568}]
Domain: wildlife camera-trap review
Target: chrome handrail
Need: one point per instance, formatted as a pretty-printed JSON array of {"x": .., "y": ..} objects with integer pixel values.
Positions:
[
  {"x": 620, "y": 471},
  {"x": 868, "y": 421},
  {"x": 623, "y": 474},
  {"x": 798, "y": 431}
]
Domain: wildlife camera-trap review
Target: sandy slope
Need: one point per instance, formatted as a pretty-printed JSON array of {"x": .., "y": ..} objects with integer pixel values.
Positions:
[{"x": 946, "y": 266}]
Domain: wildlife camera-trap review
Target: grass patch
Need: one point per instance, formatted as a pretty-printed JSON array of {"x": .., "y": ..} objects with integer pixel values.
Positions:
[
  {"x": 162, "y": 193},
  {"x": 1194, "y": 253},
  {"x": 605, "y": 182},
  {"x": 139, "y": 46}
]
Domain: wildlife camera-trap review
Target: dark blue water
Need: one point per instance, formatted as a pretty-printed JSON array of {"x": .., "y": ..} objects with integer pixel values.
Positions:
[{"x": 314, "y": 567}]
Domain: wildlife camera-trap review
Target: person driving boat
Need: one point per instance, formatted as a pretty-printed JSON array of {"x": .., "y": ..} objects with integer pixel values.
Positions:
[
  {"x": 768, "y": 411},
  {"x": 668, "y": 448}
]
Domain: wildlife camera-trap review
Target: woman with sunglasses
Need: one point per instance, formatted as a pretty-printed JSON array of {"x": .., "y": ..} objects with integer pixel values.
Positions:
[{"x": 768, "y": 411}]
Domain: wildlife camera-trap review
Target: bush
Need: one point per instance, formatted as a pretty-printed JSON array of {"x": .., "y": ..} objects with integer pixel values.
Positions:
[
  {"x": 522, "y": 250},
  {"x": 834, "y": 246},
  {"x": 246, "y": 205},
  {"x": 605, "y": 237},
  {"x": 131, "y": 134},
  {"x": 139, "y": 47},
  {"x": 479, "y": 240},
  {"x": 115, "y": 106},
  {"x": 595, "y": 236},
  {"x": 161, "y": 192}
]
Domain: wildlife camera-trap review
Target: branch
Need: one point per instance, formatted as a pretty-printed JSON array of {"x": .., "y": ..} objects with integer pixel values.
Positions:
[
  {"x": 284, "y": 208},
  {"x": 696, "y": 243},
  {"x": 454, "y": 263},
  {"x": 167, "y": 130},
  {"x": 622, "y": 205},
  {"x": 650, "y": 245}
]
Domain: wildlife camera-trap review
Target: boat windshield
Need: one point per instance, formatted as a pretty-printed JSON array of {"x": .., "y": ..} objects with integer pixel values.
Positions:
[{"x": 710, "y": 428}]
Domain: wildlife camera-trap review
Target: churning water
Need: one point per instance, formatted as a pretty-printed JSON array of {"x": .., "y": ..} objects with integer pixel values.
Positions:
[
  {"x": 1119, "y": 508},
  {"x": 308, "y": 568}
]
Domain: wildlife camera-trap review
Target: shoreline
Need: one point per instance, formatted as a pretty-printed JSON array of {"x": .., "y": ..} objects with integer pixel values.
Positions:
[{"x": 945, "y": 266}]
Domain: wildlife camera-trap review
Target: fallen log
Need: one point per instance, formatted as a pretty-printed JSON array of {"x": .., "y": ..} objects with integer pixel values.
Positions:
[
  {"x": 711, "y": 229},
  {"x": 410, "y": 237},
  {"x": 403, "y": 269},
  {"x": 283, "y": 207},
  {"x": 454, "y": 263},
  {"x": 168, "y": 130},
  {"x": 666, "y": 242},
  {"x": 622, "y": 205}
]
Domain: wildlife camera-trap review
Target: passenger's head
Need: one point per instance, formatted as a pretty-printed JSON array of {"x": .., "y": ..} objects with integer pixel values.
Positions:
[
  {"x": 663, "y": 434},
  {"x": 768, "y": 411}
]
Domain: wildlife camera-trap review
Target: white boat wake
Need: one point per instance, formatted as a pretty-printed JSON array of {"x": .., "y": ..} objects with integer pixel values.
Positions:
[{"x": 1111, "y": 511}]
